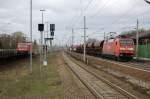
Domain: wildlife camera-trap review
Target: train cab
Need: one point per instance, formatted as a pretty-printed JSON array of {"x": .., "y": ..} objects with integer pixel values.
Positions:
[
  {"x": 119, "y": 48},
  {"x": 124, "y": 47},
  {"x": 23, "y": 47}
]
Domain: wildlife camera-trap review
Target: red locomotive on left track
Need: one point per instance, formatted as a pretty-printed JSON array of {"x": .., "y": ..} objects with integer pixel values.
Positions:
[{"x": 23, "y": 47}]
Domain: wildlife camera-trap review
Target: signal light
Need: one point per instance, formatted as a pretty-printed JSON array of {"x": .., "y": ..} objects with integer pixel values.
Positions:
[
  {"x": 52, "y": 33},
  {"x": 52, "y": 27},
  {"x": 41, "y": 27}
]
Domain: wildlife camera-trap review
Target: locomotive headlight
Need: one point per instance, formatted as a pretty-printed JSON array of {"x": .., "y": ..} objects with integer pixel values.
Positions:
[
  {"x": 131, "y": 49},
  {"x": 122, "y": 48}
]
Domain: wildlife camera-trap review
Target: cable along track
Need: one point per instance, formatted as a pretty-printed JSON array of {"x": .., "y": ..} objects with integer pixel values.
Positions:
[{"x": 97, "y": 85}]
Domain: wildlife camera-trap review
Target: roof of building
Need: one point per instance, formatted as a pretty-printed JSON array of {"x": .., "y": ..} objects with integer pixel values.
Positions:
[{"x": 142, "y": 34}]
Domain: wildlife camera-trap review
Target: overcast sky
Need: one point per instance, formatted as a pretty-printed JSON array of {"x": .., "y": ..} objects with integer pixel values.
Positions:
[{"x": 102, "y": 16}]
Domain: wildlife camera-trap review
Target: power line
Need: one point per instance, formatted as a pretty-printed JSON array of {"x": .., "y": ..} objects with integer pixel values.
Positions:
[
  {"x": 147, "y": 1},
  {"x": 142, "y": 22},
  {"x": 88, "y": 5},
  {"x": 123, "y": 15},
  {"x": 100, "y": 9},
  {"x": 76, "y": 15},
  {"x": 120, "y": 17},
  {"x": 84, "y": 10},
  {"x": 99, "y": 12},
  {"x": 143, "y": 13}
]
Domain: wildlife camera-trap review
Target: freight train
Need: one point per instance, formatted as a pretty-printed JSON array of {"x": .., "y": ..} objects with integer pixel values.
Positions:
[
  {"x": 120, "y": 48},
  {"x": 25, "y": 48},
  {"x": 16, "y": 44}
]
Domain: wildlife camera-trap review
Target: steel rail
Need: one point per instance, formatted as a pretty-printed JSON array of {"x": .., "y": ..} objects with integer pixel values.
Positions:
[
  {"x": 87, "y": 85},
  {"x": 115, "y": 87}
]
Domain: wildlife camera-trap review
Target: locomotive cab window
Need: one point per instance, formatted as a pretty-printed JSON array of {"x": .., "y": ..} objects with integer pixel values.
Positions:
[{"x": 126, "y": 42}]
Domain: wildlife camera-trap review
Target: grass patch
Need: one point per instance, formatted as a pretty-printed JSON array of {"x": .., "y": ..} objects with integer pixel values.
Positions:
[{"x": 46, "y": 82}]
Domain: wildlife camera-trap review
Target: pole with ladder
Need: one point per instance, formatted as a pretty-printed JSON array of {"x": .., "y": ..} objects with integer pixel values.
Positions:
[
  {"x": 84, "y": 52},
  {"x": 31, "y": 36},
  {"x": 137, "y": 38}
]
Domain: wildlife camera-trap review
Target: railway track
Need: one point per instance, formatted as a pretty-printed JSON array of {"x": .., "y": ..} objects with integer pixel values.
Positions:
[
  {"x": 143, "y": 65},
  {"x": 133, "y": 64},
  {"x": 124, "y": 68},
  {"x": 99, "y": 86},
  {"x": 140, "y": 65}
]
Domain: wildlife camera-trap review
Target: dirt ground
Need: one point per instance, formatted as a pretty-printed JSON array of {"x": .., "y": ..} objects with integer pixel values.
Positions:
[{"x": 54, "y": 81}]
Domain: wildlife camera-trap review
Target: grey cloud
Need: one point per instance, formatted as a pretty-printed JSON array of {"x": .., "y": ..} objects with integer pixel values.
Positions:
[{"x": 65, "y": 13}]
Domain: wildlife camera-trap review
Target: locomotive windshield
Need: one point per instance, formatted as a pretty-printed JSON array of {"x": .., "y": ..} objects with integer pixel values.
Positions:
[{"x": 126, "y": 42}]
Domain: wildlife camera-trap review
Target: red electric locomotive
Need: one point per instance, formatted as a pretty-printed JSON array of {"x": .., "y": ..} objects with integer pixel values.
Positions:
[
  {"x": 121, "y": 48},
  {"x": 23, "y": 48}
]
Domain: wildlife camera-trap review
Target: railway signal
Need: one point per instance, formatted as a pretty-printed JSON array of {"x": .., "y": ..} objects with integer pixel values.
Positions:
[
  {"x": 52, "y": 33},
  {"x": 41, "y": 27},
  {"x": 52, "y": 29}
]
